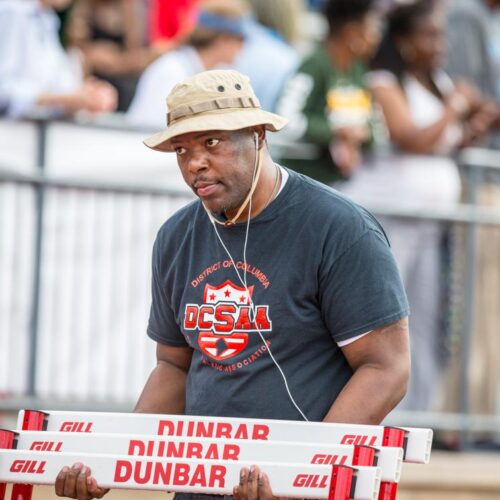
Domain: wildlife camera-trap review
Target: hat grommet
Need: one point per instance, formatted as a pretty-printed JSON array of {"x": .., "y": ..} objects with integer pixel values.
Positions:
[
  {"x": 221, "y": 88},
  {"x": 237, "y": 86}
]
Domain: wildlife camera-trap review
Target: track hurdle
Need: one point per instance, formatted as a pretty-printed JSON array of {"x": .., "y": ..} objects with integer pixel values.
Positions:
[
  {"x": 389, "y": 459},
  {"x": 416, "y": 442},
  {"x": 333, "y": 482},
  {"x": 249, "y": 432}
]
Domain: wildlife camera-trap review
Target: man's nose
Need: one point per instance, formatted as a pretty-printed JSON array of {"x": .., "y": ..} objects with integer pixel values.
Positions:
[{"x": 197, "y": 161}]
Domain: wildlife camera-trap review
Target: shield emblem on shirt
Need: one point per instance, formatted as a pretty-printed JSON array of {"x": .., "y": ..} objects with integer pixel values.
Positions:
[{"x": 232, "y": 308}]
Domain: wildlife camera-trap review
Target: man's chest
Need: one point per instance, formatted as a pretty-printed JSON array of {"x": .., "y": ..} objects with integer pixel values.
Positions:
[{"x": 223, "y": 304}]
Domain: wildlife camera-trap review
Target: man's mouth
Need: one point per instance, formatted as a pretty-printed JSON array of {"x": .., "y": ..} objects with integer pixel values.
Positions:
[{"x": 205, "y": 188}]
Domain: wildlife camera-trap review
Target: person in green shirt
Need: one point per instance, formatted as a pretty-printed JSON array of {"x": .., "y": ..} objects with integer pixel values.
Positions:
[{"x": 327, "y": 101}]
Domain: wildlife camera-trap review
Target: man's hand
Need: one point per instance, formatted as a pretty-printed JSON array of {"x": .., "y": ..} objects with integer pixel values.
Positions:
[
  {"x": 77, "y": 482},
  {"x": 254, "y": 485}
]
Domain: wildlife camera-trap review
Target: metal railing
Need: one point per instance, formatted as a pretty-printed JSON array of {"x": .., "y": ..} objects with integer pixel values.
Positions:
[{"x": 70, "y": 334}]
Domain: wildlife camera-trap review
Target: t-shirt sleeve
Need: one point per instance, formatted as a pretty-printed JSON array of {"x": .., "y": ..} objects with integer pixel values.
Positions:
[
  {"x": 361, "y": 289},
  {"x": 162, "y": 326}
]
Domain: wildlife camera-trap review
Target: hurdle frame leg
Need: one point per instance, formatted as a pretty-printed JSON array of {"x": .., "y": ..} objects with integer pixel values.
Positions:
[
  {"x": 34, "y": 420},
  {"x": 393, "y": 436},
  {"x": 341, "y": 482},
  {"x": 364, "y": 455},
  {"x": 7, "y": 442}
]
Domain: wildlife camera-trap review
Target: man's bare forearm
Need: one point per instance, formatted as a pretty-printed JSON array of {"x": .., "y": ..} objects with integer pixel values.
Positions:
[
  {"x": 368, "y": 397},
  {"x": 381, "y": 368}
]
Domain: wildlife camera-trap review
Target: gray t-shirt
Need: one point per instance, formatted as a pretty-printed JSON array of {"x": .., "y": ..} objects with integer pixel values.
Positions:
[{"x": 319, "y": 271}]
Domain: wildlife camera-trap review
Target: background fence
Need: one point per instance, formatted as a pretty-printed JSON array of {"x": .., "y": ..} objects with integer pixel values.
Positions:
[{"x": 80, "y": 206}]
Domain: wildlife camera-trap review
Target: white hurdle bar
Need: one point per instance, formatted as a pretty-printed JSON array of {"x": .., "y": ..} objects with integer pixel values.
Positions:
[
  {"x": 416, "y": 442},
  {"x": 389, "y": 459},
  {"x": 195, "y": 476}
]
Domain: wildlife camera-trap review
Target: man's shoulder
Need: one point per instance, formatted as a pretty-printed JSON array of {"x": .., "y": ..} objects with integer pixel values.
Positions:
[{"x": 327, "y": 208}]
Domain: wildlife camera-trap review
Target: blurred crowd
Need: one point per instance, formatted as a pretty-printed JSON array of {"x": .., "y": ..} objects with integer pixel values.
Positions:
[
  {"x": 388, "y": 92},
  {"x": 61, "y": 56}
]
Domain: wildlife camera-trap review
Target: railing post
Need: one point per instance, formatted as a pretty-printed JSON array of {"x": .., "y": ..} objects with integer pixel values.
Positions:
[
  {"x": 42, "y": 127},
  {"x": 472, "y": 180}
]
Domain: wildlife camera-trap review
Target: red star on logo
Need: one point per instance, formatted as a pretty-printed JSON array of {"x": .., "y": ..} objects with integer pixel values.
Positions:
[
  {"x": 212, "y": 297},
  {"x": 242, "y": 298},
  {"x": 227, "y": 293}
]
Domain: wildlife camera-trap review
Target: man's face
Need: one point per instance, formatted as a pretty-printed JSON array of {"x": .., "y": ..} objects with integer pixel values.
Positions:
[{"x": 217, "y": 165}]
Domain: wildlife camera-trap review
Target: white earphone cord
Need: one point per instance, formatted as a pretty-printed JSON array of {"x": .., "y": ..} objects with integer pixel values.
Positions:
[{"x": 244, "y": 283}]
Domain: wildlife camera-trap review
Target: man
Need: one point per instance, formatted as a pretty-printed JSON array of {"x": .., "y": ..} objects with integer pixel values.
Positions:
[{"x": 273, "y": 296}]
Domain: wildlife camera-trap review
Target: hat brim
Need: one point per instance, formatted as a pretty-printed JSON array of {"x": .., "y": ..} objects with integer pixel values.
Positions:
[{"x": 220, "y": 119}]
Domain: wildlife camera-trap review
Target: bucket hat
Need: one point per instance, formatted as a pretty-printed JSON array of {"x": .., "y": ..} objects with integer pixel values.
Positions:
[{"x": 212, "y": 100}]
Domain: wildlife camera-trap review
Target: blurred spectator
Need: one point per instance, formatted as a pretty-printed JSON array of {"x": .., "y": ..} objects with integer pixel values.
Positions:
[
  {"x": 112, "y": 37},
  {"x": 426, "y": 114},
  {"x": 327, "y": 101},
  {"x": 216, "y": 40},
  {"x": 268, "y": 57},
  {"x": 35, "y": 72},
  {"x": 425, "y": 111},
  {"x": 171, "y": 20}
]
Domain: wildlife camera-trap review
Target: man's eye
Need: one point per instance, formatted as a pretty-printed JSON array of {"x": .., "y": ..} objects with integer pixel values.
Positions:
[
  {"x": 180, "y": 150},
  {"x": 212, "y": 142}
]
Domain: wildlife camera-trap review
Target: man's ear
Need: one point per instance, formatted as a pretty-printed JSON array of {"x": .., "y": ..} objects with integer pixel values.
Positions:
[{"x": 260, "y": 130}]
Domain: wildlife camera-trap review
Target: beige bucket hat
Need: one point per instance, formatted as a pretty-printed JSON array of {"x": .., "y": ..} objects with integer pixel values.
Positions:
[{"x": 212, "y": 100}]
